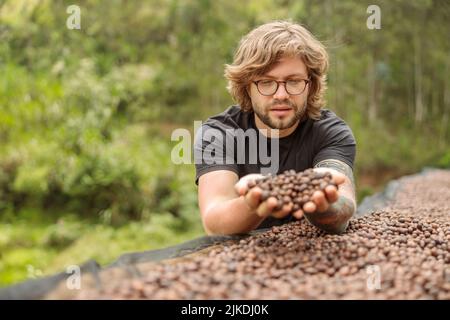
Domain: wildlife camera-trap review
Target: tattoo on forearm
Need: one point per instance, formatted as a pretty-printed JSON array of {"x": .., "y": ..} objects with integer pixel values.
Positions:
[
  {"x": 335, "y": 219},
  {"x": 338, "y": 166}
]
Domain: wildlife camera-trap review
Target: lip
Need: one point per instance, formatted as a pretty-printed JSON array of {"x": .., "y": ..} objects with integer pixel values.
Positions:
[
  {"x": 281, "y": 111},
  {"x": 281, "y": 107}
]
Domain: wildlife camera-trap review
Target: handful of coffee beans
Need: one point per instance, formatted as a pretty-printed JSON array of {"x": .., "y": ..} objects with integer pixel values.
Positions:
[{"x": 292, "y": 187}]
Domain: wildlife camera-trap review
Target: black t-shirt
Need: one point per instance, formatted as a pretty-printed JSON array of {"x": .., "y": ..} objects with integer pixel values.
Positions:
[{"x": 220, "y": 145}]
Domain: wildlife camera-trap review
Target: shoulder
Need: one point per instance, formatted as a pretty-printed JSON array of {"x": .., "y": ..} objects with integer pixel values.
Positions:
[
  {"x": 330, "y": 124},
  {"x": 328, "y": 118},
  {"x": 232, "y": 118},
  {"x": 223, "y": 125},
  {"x": 333, "y": 139}
]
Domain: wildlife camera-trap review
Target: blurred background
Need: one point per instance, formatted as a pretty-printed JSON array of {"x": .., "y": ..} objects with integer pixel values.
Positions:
[{"x": 86, "y": 115}]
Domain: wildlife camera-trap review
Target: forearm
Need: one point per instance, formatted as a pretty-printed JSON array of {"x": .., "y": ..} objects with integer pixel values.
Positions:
[
  {"x": 335, "y": 219},
  {"x": 231, "y": 217}
]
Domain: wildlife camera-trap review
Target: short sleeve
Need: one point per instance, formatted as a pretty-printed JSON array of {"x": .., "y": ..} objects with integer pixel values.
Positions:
[
  {"x": 214, "y": 150},
  {"x": 335, "y": 141}
]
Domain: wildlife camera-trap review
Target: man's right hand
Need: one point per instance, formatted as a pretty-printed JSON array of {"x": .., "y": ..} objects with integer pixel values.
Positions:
[{"x": 253, "y": 199}]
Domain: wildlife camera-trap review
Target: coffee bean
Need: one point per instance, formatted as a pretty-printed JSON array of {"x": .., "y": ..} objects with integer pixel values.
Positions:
[{"x": 407, "y": 242}]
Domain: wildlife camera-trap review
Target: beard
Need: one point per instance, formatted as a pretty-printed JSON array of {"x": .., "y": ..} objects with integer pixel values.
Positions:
[{"x": 275, "y": 122}]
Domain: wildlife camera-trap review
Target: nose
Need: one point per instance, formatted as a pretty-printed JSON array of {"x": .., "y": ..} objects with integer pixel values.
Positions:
[{"x": 281, "y": 93}]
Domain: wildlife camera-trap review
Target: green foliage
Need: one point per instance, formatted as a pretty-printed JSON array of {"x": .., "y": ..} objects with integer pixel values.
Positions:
[
  {"x": 31, "y": 247},
  {"x": 444, "y": 161},
  {"x": 62, "y": 233}
]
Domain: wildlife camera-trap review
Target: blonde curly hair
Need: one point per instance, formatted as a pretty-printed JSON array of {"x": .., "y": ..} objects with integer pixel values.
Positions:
[{"x": 260, "y": 49}]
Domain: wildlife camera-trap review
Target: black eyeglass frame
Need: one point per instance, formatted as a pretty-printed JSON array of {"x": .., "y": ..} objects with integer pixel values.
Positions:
[{"x": 307, "y": 81}]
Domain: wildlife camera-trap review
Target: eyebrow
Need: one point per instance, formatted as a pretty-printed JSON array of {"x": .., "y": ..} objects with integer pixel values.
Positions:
[{"x": 288, "y": 76}]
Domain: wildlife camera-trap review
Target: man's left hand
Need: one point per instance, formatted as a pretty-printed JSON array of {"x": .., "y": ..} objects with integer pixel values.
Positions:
[{"x": 321, "y": 200}]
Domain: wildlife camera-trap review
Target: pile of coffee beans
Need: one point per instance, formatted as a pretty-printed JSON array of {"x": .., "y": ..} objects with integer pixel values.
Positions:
[
  {"x": 399, "y": 252},
  {"x": 292, "y": 187}
]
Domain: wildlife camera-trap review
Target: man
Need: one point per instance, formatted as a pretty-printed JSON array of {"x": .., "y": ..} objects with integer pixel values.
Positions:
[{"x": 278, "y": 78}]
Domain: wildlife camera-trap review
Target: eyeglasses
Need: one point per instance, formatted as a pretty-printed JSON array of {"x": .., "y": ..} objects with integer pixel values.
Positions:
[{"x": 292, "y": 87}]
